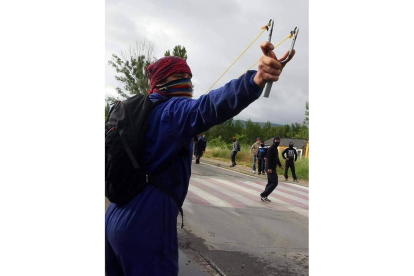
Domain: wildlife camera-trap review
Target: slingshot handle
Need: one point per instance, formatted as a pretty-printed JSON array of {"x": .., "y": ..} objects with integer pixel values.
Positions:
[{"x": 267, "y": 89}]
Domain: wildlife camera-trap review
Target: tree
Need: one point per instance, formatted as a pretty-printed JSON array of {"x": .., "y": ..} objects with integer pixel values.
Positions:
[
  {"x": 132, "y": 69},
  {"x": 253, "y": 130},
  {"x": 107, "y": 108},
  {"x": 286, "y": 130},
  {"x": 267, "y": 131},
  {"x": 306, "y": 121},
  {"x": 180, "y": 51}
]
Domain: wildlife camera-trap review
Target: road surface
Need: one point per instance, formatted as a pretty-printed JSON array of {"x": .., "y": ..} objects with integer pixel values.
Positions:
[{"x": 228, "y": 228}]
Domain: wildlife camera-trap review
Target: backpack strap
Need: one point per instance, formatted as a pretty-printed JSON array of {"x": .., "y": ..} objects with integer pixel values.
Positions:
[{"x": 151, "y": 179}]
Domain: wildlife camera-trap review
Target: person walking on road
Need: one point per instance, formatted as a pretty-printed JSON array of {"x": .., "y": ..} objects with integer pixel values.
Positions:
[
  {"x": 253, "y": 150},
  {"x": 272, "y": 159},
  {"x": 236, "y": 148},
  {"x": 195, "y": 140},
  {"x": 291, "y": 157},
  {"x": 201, "y": 148},
  {"x": 261, "y": 156},
  {"x": 141, "y": 235}
]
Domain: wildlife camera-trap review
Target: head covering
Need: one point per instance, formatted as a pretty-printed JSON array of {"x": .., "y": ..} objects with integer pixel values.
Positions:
[
  {"x": 258, "y": 138},
  {"x": 160, "y": 70},
  {"x": 276, "y": 144}
]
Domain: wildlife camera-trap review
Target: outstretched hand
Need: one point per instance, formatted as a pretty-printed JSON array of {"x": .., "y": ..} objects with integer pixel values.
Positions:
[{"x": 270, "y": 67}]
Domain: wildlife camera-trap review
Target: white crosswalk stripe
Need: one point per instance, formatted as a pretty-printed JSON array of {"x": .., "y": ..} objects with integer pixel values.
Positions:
[
  {"x": 245, "y": 194},
  {"x": 209, "y": 197},
  {"x": 225, "y": 191},
  {"x": 298, "y": 199}
]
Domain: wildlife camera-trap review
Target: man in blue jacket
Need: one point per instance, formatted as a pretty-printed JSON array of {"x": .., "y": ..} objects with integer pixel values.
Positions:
[{"x": 141, "y": 236}]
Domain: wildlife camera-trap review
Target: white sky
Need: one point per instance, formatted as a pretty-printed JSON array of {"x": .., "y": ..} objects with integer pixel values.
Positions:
[{"x": 214, "y": 34}]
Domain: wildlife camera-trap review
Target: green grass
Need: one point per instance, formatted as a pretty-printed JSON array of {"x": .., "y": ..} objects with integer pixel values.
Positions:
[{"x": 244, "y": 158}]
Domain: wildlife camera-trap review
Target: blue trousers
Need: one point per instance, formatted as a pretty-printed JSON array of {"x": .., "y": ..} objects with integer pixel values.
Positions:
[
  {"x": 233, "y": 156},
  {"x": 254, "y": 163}
]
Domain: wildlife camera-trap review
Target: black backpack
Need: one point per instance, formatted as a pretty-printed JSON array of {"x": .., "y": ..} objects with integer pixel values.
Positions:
[{"x": 125, "y": 130}]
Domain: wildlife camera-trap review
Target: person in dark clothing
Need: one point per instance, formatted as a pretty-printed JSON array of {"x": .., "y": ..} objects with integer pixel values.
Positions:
[
  {"x": 201, "y": 148},
  {"x": 236, "y": 148},
  {"x": 195, "y": 140},
  {"x": 272, "y": 159},
  {"x": 291, "y": 158},
  {"x": 261, "y": 156},
  {"x": 141, "y": 236}
]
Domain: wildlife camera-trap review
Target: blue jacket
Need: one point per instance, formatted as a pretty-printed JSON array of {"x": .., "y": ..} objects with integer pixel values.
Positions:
[{"x": 146, "y": 227}]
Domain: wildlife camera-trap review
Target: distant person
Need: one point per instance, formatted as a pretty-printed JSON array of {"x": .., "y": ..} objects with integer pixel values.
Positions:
[
  {"x": 205, "y": 141},
  {"x": 272, "y": 159},
  {"x": 236, "y": 148},
  {"x": 261, "y": 156},
  {"x": 201, "y": 148},
  {"x": 195, "y": 140},
  {"x": 253, "y": 150},
  {"x": 291, "y": 158}
]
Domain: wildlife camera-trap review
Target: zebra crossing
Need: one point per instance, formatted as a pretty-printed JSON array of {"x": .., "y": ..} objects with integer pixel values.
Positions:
[{"x": 224, "y": 193}]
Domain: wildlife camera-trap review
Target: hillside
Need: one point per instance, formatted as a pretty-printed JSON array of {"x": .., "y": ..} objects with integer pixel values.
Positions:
[{"x": 260, "y": 123}]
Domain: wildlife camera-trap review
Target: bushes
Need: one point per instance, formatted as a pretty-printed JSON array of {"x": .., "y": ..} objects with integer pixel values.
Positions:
[{"x": 218, "y": 149}]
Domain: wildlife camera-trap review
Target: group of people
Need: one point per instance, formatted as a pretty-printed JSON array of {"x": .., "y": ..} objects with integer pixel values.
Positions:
[
  {"x": 259, "y": 152},
  {"x": 141, "y": 235}
]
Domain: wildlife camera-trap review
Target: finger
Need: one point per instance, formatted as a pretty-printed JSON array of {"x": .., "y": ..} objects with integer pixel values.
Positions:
[
  {"x": 286, "y": 54},
  {"x": 271, "y": 62},
  {"x": 270, "y": 70},
  {"x": 267, "y": 49}
]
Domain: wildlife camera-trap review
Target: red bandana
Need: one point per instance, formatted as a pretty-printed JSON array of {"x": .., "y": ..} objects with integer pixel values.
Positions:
[{"x": 160, "y": 70}]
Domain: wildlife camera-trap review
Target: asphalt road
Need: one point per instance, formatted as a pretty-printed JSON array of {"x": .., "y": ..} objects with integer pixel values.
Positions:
[
  {"x": 230, "y": 231},
  {"x": 229, "y": 228}
]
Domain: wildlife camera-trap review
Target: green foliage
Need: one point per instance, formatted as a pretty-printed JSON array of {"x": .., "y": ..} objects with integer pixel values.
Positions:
[
  {"x": 306, "y": 121},
  {"x": 180, "y": 51},
  {"x": 218, "y": 142},
  {"x": 107, "y": 108},
  {"x": 131, "y": 69}
]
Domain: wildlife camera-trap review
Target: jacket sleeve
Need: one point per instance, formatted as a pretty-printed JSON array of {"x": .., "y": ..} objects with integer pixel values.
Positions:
[
  {"x": 269, "y": 158},
  {"x": 187, "y": 117},
  {"x": 283, "y": 153},
  {"x": 296, "y": 155}
]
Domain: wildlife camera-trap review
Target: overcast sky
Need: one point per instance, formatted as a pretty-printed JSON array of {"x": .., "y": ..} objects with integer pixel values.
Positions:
[{"x": 215, "y": 33}]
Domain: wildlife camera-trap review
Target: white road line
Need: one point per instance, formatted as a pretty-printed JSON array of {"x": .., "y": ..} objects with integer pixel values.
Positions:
[
  {"x": 232, "y": 194},
  {"x": 305, "y": 189},
  {"x": 295, "y": 198},
  {"x": 209, "y": 197}
]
